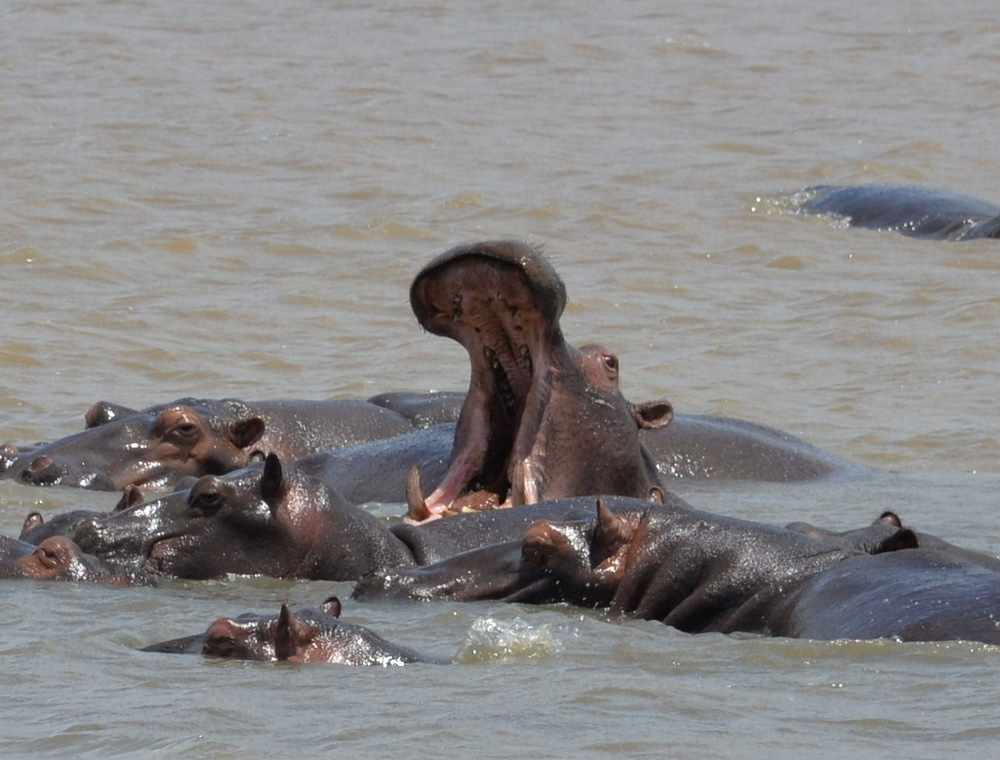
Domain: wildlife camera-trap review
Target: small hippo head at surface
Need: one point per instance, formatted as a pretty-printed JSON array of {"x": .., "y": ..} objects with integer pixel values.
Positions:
[
  {"x": 542, "y": 419},
  {"x": 57, "y": 558},
  {"x": 311, "y": 635}
]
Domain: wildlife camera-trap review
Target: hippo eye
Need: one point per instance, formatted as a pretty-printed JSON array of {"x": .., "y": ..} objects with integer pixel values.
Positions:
[
  {"x": 187, "y": 430},
  {"x": 208, "y": 500},
  {"x": 611, "y": 364},
  {"x": 221, "y": 646}
]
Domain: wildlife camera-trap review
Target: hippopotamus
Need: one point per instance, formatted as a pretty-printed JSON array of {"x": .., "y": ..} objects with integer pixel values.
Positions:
[
  {"x": 887, "y": 534},
  {"x": 700, "y": 572},
  {"x": 159, "y": 445},
  {"x": 57, "y": 558},
  {"x": 266, "y": 520},
  {"x": 309, "y": 636},
  {"x": 912, "y": 210},
  {"x": 541, "y": 419}
]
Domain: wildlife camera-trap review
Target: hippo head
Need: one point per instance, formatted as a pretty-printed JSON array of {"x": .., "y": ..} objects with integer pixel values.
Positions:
[
  {"x": 269, "y": 638},
  {"x": 252, "y": 521},
  {"x": 308, "y": 636},
  {"x": 154, "y": 447},
  {"x": 542, "y": 420},
  {"x": 261, "y": 520},
  {"x": 885, "y": 534},
  {"x": 58, "y": 558},
  {"x": 585, "y": 560}
]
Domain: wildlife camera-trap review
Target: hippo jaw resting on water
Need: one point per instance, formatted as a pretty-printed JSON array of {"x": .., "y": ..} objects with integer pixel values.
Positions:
[
  {"x": 156, "y": 447},
  {"x": 272, "y": 520},
  {"x": 700, "y": 572},
  {"x": 57, "y": 558},
  {"x": 541, "y": 420}
]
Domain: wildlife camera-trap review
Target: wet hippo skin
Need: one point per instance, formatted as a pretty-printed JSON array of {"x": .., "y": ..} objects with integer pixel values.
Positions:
[
  {"x": 155, "y": 447},
  {"x": 700, "y": 572},
  {"x": 912, "y": 210},
  {"x": 310, "y": 635}
]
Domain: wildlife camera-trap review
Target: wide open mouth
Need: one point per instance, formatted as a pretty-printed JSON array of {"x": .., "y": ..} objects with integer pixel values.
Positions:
[{"x": 501, "y": 301}]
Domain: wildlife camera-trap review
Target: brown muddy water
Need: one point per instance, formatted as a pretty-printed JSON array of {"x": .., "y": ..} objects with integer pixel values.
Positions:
[{"x": 230, "y": 199}]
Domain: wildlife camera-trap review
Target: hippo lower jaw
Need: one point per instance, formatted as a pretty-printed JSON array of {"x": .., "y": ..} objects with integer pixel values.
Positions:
[{"x": 494, "y": 461}]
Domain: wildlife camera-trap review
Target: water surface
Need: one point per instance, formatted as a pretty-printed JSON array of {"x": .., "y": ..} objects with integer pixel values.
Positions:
[{"x": 231, "y": 199}]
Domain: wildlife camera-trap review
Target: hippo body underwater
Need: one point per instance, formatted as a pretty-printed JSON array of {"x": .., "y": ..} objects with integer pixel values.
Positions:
[{"x": 911, "y": 210}]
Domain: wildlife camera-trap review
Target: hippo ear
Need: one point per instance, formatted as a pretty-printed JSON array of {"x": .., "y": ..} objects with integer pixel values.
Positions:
[
  {"x": 332, "y": 607},
  {"x": 272, "y": 482},
  {"x": 32, "y": 521},
  {"x": 652, "y": 414},
  {"x": 246, "y": 432},
  {"x": 890, "y": 518},
  {"x": 131, "y": 495},
  {"x": 103, "y": 412},
  {"x": 290, "y": 635},
  {"x": 611, "y": 533},
  {"x": 904, "y": 538}
]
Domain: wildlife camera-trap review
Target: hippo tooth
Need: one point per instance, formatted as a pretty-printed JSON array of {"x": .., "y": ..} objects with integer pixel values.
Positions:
[
  {"x": 523, "y": 486},
  {"x": 415, "y": 500}
]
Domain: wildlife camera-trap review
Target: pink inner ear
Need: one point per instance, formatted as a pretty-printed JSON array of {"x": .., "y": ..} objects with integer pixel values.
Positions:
[
  {"x": 653, "y": 415},
  {"x": 246, "y": 432}
]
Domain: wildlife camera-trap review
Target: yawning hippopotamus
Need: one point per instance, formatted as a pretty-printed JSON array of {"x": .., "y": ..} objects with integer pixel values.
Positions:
[
  {"x": 309, "y": 636},
  {"x": 157, "y": 446},
  {"x": 541, "y": 419},
  {"x": 912, "y": 210}
]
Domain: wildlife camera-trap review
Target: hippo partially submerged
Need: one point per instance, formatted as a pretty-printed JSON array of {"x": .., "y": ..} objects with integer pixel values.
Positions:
[
  {"x": 57, "y": 558},
  {"x": 887, "y": 534},
  {"x": 307, "y": 636},
  {"x": 541, "y": 419},
  {"x": 912, "y": 210},
  {"x": 700, "y": 572},
  {"x": 157, "y": 446},
  {"x": 265, "y": 520}
]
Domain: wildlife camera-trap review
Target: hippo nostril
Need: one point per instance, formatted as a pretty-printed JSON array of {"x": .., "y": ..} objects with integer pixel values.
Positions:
[{"x": 41, "y": 471}]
